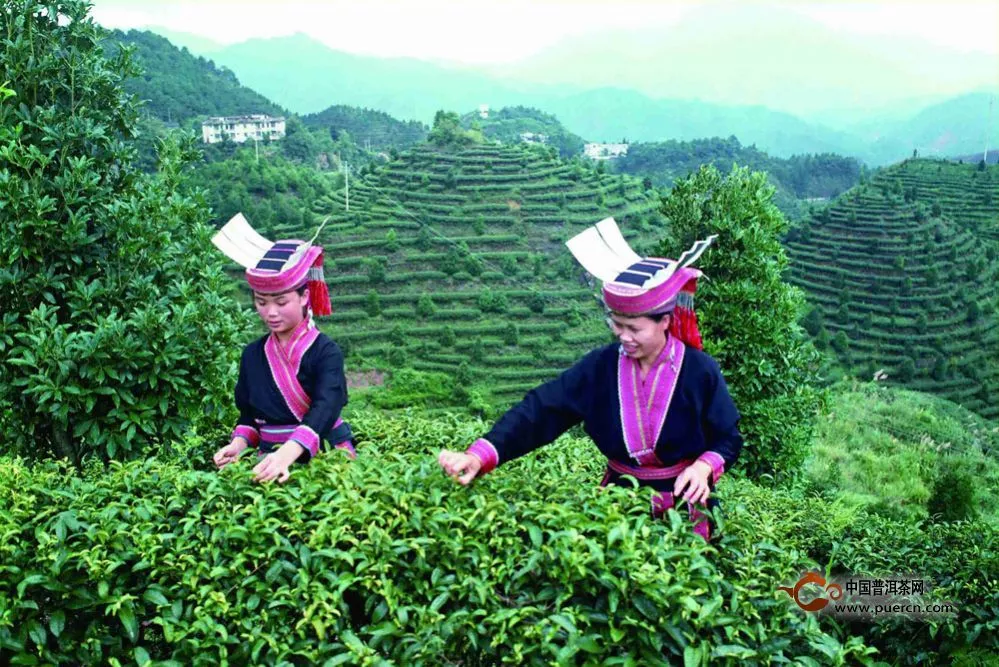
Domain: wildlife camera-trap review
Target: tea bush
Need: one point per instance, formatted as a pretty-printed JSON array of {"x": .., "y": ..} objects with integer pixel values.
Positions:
[{"x": 383, "y": 559}]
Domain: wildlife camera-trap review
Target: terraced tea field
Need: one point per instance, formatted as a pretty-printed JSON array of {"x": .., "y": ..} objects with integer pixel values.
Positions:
[
  {"x": 456, "y": 257},
  {"x": 903, "y": 272}
]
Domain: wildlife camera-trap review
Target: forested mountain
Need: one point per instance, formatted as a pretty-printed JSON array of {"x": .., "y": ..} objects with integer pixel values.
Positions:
[
  {"x": 269, "y": 190},
  {"x": 507, "y": 125},
  {"x": 177, "y": 86},
  {"x": 306, "y": 76},
  {"x": 374, "y": 130},
  {"x": 902, "y": 274},
  {"x": 797, "y": 177}
]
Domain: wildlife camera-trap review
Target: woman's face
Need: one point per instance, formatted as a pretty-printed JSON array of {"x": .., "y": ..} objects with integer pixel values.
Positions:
[
  {"x": 281, "y": 312},
  {"x": 640, "y": 337}
]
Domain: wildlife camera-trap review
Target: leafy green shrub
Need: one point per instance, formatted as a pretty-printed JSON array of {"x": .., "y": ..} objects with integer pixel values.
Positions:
[
  {"x": 959, "y": 560},
  {"x": 748, "y": 315},
  {"x": 425, "y": 306},
  {"x": 384, "y": 558},
  {"x": 115, "y": 333},
  {"x": 954, "y": 491},
  {"x": 492, "y": 302},
  {"x": 909, "y": 455}
]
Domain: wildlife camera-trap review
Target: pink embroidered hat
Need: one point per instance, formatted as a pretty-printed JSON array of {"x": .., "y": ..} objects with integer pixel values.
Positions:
[
  {"x": 276, "y": 267},
  {"x": 633, "y": 286}
]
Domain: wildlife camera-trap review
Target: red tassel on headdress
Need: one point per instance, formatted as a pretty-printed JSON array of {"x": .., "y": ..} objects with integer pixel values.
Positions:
[
  {"x": 319, "y": 294},
  {"x": 684, "y": 321}
]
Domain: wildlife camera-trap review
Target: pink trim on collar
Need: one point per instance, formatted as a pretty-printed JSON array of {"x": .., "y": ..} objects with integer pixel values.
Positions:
[
  {"x": 284, "y": 365},
  {"x": 644, "y": 405}
]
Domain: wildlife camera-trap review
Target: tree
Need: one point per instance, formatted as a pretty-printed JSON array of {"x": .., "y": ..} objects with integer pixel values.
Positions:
[
  {"x": 511, "y": 334},
  {"x": 373, "y": 304},
  {"x": 973, "y": 312},
  {"x": 841, "y": 343},
  {"x": 536, "y": 302},
  {"x": 453, "y": 260},
  {"x": 424, "y": 240},
  {"x": 907, "y": 371},
  {"x": 391, "y": 241},
  {"x": 492, "y": 302},
  {"x": 812, "y": 322},
  {"x": 116, "y": 335},
  {"x": 748, "y": 315},
  {"x": 425, "y": 306},
  {"x": 447, "y": 131},
  {"x": 396, "y": 336},
  {"x": 376, "y": 269}
]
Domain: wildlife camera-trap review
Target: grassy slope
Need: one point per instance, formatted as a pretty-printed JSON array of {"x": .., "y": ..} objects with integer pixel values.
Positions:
[{"x": 885, "y": 449}]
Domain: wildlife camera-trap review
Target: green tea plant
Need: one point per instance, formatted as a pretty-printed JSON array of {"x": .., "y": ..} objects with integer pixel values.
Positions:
[{"x": 384, "y": 560}]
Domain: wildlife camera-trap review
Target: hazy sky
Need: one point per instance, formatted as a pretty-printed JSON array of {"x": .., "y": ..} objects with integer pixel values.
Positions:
[{"x": 496, "y": 31}]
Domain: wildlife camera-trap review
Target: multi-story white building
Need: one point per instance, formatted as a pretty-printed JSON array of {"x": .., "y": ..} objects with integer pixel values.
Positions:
[
  {"x": 240, "y": 128},
  {"x": 598, "y": 151},
  {"x": 533, "y": 138}
]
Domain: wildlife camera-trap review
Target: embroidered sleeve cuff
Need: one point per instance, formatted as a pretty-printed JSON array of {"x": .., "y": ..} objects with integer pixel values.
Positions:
[
  {"x": 483, "y": 450},
  {"x": 248, "y": 433},
  {"x": 717, "y": 463},
  {"x": 307, "y": 438}
]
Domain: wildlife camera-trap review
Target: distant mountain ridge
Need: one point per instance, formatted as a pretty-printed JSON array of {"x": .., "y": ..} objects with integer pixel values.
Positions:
[
  {"x": 307, "y": 76},
  {"x": 796, "y": 178},
  {"x": 372, "y": 129},
  {"x": 176, "y": 85},
  {"x": 738, "y": 54}
]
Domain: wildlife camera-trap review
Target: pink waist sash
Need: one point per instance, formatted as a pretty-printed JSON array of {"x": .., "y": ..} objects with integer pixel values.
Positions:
[{"x": 649, "y": 472}]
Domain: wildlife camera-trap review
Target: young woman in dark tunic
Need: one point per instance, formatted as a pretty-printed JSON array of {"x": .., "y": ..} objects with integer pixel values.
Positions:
[
  {"x": 291, "y": 387},
  {"x": 655, "y": 405}
]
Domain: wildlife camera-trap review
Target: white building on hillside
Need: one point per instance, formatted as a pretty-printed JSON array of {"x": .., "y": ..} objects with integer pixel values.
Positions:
[
  {"x": 240, "y": 128},
  {"x": 483, "y": 111},
  {"x": 533, "y": 138},
  {"x": 598, "y": 151}
]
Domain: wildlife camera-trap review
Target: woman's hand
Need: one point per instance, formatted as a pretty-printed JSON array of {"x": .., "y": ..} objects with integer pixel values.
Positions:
[
  {"x": 460, "y": 466},
  {"x": 275, "y": 465},
  {"x": 230, "y": 453},
  {"x": 692, "y": 483}
]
